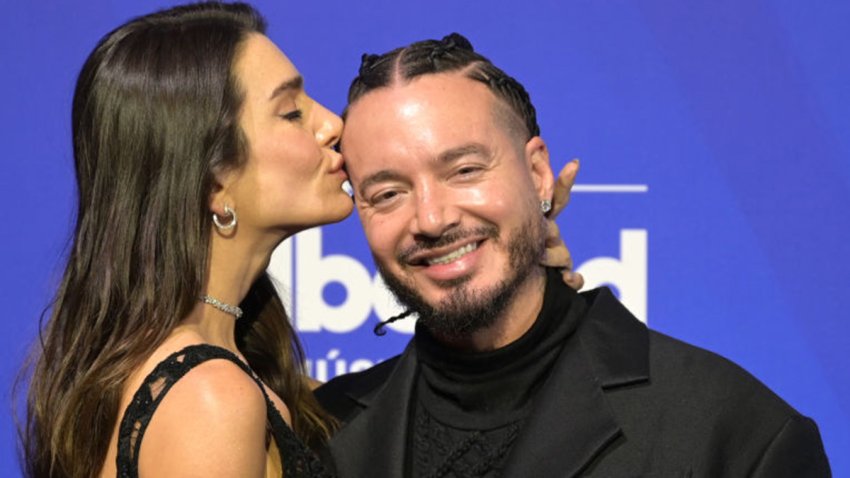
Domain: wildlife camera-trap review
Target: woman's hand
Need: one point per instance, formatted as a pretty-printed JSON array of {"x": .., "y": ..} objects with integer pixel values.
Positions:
[{"x": 557, "y": 254}]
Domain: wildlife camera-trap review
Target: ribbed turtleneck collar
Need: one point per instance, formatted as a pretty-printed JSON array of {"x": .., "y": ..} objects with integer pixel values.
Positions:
[{"x": 484, "y": 390}]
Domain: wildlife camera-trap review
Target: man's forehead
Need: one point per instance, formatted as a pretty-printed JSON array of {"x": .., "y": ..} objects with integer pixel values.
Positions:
[
  {"x": 425, "y": 90},
  {"x": 433, "y": 105}
]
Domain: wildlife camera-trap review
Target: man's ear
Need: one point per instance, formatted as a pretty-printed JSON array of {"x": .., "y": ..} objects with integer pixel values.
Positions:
[{"x": 537, "y": 158}]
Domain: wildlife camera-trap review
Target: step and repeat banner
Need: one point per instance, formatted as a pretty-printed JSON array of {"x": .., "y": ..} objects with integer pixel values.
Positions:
[{"x": 713, "y": 193}]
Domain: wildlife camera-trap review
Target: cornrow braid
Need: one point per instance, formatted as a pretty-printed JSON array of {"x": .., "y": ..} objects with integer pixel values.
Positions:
[
  {"x": 367, "y": 61},
  {"x": 380, "y": 327},
  {"x": 452, "y": 53}
]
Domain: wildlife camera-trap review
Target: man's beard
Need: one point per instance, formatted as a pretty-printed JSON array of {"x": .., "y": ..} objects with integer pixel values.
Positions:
[{"x": 466, "y": 310}]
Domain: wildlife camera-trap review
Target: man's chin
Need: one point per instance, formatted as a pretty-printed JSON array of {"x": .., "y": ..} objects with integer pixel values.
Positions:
[
  {"x": 438, "y": 289},
  {"x": 457, "y": 308},
  {"x": 466, "y": 310},
  {"x": 442, "y": 278}
]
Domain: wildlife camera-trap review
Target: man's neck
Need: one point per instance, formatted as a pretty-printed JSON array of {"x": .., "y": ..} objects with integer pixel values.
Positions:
[{"x": 512, "y": 323}]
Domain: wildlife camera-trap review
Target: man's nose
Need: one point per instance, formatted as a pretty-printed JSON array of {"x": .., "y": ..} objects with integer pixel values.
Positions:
[{"x": 435, "y": 213}]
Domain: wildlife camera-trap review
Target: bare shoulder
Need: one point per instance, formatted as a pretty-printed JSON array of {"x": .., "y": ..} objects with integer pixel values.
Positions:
[{"x": 212, "y": 422}]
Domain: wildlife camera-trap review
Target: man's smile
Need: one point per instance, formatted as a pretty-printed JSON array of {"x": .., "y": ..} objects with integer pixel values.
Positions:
[
  {"x": 425, "y": 257},
  {"x": 454, "y": 255}
]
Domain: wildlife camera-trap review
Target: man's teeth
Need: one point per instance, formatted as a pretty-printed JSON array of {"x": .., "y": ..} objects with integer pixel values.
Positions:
[{"x": 454, "y": 255}]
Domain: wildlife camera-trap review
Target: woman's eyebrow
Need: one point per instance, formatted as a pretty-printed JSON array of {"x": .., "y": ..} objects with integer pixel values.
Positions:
[{"x": 296, "y": 83}]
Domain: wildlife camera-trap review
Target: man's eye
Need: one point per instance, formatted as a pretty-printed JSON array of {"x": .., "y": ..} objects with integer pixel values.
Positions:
[
  {"x": 467, "y": 170},
  {"x": 294, "y": 115},
  {"x": 384, "y": 197}
]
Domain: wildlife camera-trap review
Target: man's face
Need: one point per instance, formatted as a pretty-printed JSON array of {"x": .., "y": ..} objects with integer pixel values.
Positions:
[{"x": 448, "y": 195}]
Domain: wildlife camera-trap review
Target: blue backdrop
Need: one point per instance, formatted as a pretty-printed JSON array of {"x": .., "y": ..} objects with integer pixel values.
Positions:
[{"x": 715, "y": 170}]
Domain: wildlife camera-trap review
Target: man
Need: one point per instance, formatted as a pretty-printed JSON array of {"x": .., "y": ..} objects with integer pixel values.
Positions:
[{"x": 510, "y": 372}]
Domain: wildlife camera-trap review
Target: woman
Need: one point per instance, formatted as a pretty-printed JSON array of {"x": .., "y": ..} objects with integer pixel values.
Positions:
[{"x": 197, "y": 152}]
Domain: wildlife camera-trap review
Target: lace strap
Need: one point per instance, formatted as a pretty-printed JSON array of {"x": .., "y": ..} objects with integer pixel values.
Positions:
[{"x": 156, "y": 385}]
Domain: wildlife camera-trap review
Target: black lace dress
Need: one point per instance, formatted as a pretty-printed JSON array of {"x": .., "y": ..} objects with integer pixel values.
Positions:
[{"x": 296, "y": 458}]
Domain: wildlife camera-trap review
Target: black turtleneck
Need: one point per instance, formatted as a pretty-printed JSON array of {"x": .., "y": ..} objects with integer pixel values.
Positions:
[{"x": 470, "y": 406}]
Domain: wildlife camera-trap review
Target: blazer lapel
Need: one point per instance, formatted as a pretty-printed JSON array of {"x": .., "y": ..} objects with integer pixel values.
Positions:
[
  {"x": 615, "y": 342},
  {"x": 572, "y": 422},
  {"x": 374, "y": 443}
]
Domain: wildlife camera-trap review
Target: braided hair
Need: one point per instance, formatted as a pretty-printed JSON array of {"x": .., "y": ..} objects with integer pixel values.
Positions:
[{"x": 452, "y": 53}]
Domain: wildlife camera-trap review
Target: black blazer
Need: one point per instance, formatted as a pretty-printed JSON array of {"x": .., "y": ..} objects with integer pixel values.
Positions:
[{"x": 621, "y": 401}]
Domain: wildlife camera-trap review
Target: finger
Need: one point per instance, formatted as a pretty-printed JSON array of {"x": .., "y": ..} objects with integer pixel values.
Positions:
[
  {"x": 553, "y": 233},
  {"x": 558, "y": 257},
  {"x": 565, "y": 182},
  {"x": 556, "y": 254},
  {"x": 573, "y": 279}
]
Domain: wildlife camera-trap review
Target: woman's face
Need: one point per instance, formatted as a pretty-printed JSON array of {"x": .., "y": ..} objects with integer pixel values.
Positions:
[{"x": 293, "y": 178}]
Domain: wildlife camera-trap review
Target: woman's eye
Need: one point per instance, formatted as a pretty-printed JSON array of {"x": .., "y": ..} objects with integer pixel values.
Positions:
[{"x": 294, "y": 115}]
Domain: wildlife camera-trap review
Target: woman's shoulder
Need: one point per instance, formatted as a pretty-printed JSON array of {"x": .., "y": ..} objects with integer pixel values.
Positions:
[
  {"x": 199, "y": 378},
  {"x": 210, "y": 403},
  {"x": 216, "y": 382}
]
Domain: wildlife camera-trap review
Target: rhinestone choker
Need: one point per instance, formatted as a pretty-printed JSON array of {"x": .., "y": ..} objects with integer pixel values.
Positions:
[{"x": 226, "y": 308}]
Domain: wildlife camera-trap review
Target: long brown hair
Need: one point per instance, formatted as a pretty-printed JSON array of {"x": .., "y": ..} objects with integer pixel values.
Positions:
[{"x": 154, "y": 118}]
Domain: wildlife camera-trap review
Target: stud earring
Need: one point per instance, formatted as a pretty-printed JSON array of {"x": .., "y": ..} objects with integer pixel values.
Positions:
[{"x": 545, "y": 206}]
